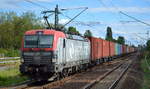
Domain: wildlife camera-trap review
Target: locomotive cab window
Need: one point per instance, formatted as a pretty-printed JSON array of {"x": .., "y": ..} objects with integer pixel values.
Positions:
[
  {"x": 31, "y": 41},
  {"x": 45, "y": 41},
  {"x": 38, "y": 41}
]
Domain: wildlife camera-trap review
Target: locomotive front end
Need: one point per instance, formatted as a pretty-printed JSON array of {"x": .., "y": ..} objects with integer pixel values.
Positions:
[{"x": 38, "y": 54}]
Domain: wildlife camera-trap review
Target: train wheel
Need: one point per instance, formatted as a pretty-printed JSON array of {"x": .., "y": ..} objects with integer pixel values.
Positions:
[
  {"x": 65, "y": 73},
  {"x": 57, "y": 76}
]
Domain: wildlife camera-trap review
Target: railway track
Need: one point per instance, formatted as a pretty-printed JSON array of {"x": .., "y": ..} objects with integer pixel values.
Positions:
[
  {"x": 113, "y": 86},
  {"x": 84, "y": 80},
  {"x": 110, "y": 79}
]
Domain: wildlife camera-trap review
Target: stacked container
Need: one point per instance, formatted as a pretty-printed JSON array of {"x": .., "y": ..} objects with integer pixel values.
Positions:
[
  {"x": 112, "y": 48},
  {"x": 116, "y": 49},
  {"x": 105, "y": 49},
  {"x": 96, "y": 48}
]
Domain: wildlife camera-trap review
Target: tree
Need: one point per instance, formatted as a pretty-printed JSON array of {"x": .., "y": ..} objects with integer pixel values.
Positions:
[
  {"x": 109, "y": 34},
  {"x": 121, "y": 40},
  {"x": 148, "y": 45},
  {"x": 12, "y": 28},
  {"x": 88, "y": 33},
  {"x": 73, "y": 31}
]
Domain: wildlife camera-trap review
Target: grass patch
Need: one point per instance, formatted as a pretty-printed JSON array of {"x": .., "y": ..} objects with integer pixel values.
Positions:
[
  {"x": 146, "y": 82},
  {"x": 11, "y": 76},
  {"x": 8, "y": 60},
  {"x": 9, "y": 63}
]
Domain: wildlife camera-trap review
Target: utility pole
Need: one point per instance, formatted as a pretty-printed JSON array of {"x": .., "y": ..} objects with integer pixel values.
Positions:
[
  {"x": 56, "y": 13},
  {"x": 56, "y": 17},
  {"x": 147, "y": 35}
]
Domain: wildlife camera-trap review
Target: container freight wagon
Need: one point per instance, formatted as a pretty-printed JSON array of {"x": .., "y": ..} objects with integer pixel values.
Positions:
[
  {"x": 111, "y": 49},
  {"x": 127, "y": 49},
  {"x": 106, "y": 49},
  {"x": 120, "y": 49},
  {"x": 131, "y": 49},
  {"x": 124, "y": 49},
  {"x": 116, "y": 49},
  {"x": 96, "y": 48}
]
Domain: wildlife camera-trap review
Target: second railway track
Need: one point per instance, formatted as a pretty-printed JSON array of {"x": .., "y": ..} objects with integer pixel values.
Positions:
[{"x": 110, "y": 79}]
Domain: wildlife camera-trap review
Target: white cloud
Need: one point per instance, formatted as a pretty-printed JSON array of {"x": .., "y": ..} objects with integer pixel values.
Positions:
[
  {"x": 119, "y": 32},
  {"x": 124, "y": 9},
  {"x": 63, "y": 21}
]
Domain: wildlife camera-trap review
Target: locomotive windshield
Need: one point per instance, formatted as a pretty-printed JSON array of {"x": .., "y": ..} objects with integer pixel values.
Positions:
[{"x": 38, "y": 41}]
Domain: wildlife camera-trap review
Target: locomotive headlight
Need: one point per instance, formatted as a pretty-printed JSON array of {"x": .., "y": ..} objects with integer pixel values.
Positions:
[{"x": 21, "y": 60}]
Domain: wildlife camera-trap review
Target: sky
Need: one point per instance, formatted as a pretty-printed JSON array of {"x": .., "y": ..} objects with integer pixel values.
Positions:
[{"x": 104, "y": 12}]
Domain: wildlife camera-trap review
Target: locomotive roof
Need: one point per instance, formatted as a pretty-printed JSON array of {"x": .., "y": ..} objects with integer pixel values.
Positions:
[
  {"x": 76, "y": 37},
  {"x": 44, "y": 31}
]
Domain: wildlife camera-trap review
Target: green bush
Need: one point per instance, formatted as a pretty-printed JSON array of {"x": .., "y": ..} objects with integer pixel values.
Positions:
[
  {"x": 146, "y": 71},
  {"x": 9, "y": 52}
]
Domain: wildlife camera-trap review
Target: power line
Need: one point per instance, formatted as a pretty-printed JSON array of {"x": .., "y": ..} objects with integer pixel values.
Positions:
[
  {"x": 134, "y": 18},
  {"x": 101, "y": 1},
  {"x": 121, "y": 12},
  {"x": 75, "y": 16},
  {"x": 103, "y": 4},
  {"x": 140, "y": 37},
  {"x": 36, "y": 4}
]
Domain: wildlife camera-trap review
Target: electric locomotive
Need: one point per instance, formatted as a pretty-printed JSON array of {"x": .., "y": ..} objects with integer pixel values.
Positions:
[{"x": 49, "y": 53}]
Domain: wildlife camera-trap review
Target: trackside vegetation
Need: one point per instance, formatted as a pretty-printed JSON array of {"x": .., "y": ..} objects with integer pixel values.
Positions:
[
  {"x": 9, "y": 52},
  {"x": 12, "y": 28},
  {"x": 109, "y": 37},
  {"x": 145, "y": 63},
  {"x": 11, "y": 76}
]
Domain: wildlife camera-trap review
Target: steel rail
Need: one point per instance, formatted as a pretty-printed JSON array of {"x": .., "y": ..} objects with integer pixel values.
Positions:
[
  {"x": 88, "y": 86},
  {"x": 114, "y": 84}
]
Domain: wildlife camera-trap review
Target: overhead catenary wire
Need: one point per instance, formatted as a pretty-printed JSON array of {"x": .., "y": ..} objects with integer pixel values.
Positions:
[
  {"x": 121, "y": 12},
  {"x": 36, "y": 4},
  {"x": 89, "y": 24},
  {"x": 134, "y": 18},
  {"x": 117, "y": 9},
  {"x": 75, "y": 16},
  {"x": 63, "y": 9}
]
